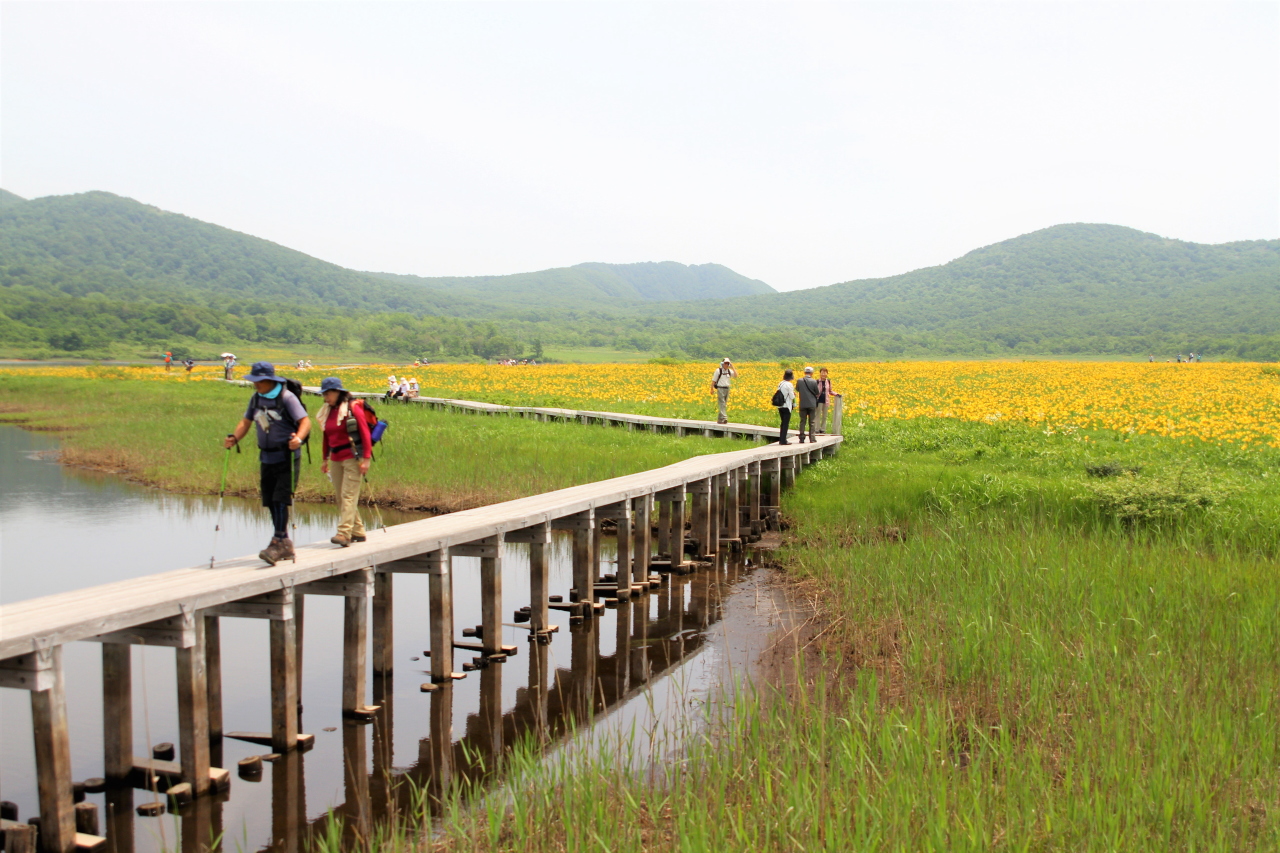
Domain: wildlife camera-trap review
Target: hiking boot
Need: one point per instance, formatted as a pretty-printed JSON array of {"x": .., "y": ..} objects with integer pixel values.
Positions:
[
  {"x": 341, "y": 539},
  {"x": 286, "y": 549},
  {"x": 358, "y": 537},
  {"x": 271, "y": 554}
]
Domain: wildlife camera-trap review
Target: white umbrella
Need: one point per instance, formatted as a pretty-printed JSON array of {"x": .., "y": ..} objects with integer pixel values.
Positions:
[{"x": 227, "y": 355}]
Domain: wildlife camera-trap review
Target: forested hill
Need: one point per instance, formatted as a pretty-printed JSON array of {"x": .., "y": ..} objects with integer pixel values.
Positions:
[
  {"x": 667, "y": 281},
  {"x": 1069, "y": 280}
]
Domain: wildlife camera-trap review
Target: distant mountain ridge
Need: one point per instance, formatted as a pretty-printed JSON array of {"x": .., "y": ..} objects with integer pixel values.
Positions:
[{"x": 85, "y": 270}]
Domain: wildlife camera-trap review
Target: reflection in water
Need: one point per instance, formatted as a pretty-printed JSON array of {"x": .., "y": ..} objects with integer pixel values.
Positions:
[{"x": 645, "y": 667}]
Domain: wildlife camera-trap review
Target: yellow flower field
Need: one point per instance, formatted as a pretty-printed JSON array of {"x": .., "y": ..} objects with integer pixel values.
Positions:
[{"x": 1236, "y": 403}]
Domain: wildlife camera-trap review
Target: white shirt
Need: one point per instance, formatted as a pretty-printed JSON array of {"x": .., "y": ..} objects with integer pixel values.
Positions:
[
  {"x": 788, "y": 395},
  {"x": 721, "y": 377}
]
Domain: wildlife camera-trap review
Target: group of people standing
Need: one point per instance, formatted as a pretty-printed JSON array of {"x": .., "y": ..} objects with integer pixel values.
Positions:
[{"x": 814, "y": 397}]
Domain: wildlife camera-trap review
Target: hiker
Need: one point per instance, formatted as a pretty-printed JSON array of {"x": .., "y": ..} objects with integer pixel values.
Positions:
[
  {"x": 807, "y": 388},
  {"x": 720, "y": 387},
  {"x": 826, "y": 397},
  {"x": 403, "y": 392},
  {"x": 189, "y": 364},
  {"x": 347, "y": 452},
  {"x": 413, "y": 388},
  {"x": 168, "y": 362},
  {"x": 784, "y": 399},
  {"x": 393, "y": 387},
  {"x": 282, "y": 425}
]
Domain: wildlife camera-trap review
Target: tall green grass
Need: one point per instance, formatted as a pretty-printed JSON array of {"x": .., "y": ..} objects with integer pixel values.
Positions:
[
  {"x": 168, "y": 434},
  {"x": 1011, "y": 662}
]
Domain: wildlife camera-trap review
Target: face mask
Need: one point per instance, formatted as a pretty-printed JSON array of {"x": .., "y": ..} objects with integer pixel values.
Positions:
[{"x": 274, "y": 392}]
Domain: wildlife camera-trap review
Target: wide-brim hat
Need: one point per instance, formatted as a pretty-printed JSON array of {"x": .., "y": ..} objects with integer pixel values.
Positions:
[
  {"x": 331, "y": 383},
  {"x": 263, "y": 371}
]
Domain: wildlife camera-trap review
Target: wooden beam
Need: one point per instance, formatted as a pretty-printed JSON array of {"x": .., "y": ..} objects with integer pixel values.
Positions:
[
  {"x": 642, "y": 544},
  {"x": 53, "y": 758},
  {"x": 355, "y": 645},
  {"x": 32, "y": 671},
  {"x": 193, "y": 711},
  {"x": 441, "y": 611},
  {"x": 176, "y": 632}
]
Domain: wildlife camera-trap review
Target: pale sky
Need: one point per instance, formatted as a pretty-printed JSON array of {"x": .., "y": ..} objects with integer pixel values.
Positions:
[{"x": 798, "y": 143}]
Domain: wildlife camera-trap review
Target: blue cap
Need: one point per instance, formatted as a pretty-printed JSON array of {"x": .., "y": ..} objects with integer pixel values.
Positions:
[
  {"x": 331, "y": 383},
  {"x": 263, "y": 371}
]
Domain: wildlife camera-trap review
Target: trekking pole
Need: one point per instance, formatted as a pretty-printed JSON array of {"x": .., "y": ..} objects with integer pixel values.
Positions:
[{"x": 222, "y": 491}]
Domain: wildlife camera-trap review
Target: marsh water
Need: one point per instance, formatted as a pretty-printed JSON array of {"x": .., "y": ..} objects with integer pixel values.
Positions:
[{"x": 644, "y": 672}]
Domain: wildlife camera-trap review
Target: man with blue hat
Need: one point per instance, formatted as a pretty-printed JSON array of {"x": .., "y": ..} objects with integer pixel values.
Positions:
[{"x": 283, "y": 425}]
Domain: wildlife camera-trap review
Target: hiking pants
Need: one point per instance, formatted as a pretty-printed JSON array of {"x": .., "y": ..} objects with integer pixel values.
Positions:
[
  {"x": 723, "y": 395},
  {"x": 806, "y": 415},
  {"x": 347, "y": 478},
  {"x": 822, "y": 417},
  {"x": 785, "y": 414}
]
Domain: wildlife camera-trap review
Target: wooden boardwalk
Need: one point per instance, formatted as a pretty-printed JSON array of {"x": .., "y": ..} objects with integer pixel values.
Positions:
[{"x": 659, "y": 519}]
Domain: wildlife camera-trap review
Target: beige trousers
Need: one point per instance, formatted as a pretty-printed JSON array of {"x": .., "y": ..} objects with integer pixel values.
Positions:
[
  {"x": 346, "y": 479},
  {"x": 822, "y": 417},
  {"x": 722, "y": 397}
]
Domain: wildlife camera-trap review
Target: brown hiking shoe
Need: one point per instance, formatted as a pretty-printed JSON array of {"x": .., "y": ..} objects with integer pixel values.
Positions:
[
  {"x": 341, "y": 539},
  {"x": 357, "y": 537},
  {"x": 286, "y": 549},
  {"x": 271, "y": 553}
]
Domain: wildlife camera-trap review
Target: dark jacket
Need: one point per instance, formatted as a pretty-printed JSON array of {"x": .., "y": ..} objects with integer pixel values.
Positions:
[{"x": 807, "y": 388}]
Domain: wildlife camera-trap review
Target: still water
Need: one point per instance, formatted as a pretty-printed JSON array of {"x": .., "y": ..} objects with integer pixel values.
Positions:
[{"x": 645, "y": 671}]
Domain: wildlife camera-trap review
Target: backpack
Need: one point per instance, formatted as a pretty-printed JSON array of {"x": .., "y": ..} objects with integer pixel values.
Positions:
[
  {"x": 376, "y": 427},
  {"x": 779, "y": 400}
]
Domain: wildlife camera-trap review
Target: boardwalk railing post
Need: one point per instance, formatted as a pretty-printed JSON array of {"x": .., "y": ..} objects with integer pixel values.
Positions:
[{"x": 837, "y": 417}]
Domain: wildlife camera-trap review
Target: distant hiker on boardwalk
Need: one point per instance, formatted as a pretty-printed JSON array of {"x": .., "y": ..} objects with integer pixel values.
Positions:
[
  {"x": 282, "y": 425},
  {"x": 168, "y": 362},
  {"x": 807, "y": 388},
  {"x": 720, "y": 381},
  {"x": 784, "y": 400},
  {"x": 826, "y": 398},
  {"x": 347, "y": 452}
]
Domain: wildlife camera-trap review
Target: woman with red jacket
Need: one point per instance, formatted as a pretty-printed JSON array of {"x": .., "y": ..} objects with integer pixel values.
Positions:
[{"x": 348, "y": 446}]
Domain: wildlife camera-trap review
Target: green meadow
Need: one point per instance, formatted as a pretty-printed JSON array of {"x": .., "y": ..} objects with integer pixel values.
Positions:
[
  {"x": 169, "y": 435},
  {"x": 1025, "y": 642}
]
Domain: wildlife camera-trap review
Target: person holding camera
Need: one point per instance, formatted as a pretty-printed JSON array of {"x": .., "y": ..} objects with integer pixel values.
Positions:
[{"x": 720, "y": 387}]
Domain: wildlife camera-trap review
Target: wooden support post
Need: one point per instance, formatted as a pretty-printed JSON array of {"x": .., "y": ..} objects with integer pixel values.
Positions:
[
  {"x": 283, "y": 654},
  {"x": 441, "y": 606},
  {"x": 538, "y": 538},
  {"x": 642, "y": 546},
  {"x": 53, "y": 757},
  {"x": 788, "y": 472},
  {"x": 383, "y": 632},
  {"x": 755, "y": 487},
  {"x": 299, "y": 602},
  {"x": 733, "y": 511},
  {"x": 491, "y": 602},
  {"x": 193, "y": 710},
  {"x": 119, "y": 818},
  {"x": 584, "y": 568},
  {"x": 286, "y": 805},
  {"x": 775, "y": 482},
  {"x": 213, "y": 678},
  {"x": 676, "y": 531},
  {"x": 539, "y": 663},
  {"x": 664, "y": 527},
  {"x": 702, "y": 527},
  {"x": 117, "y": 711},
  {"x": 623, "y": 569},
  {"x": 715, "y": 504},
  {"x": 622, "y": 650},
  {"x": 355, "y": 646}
]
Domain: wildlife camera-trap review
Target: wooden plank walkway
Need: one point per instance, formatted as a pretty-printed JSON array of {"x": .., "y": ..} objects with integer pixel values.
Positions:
[
  {"x": 679, "y": 426},
  {"x": 721, "y": 499}
]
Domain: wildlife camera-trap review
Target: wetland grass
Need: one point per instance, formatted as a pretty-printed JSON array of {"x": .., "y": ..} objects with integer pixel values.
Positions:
[{"x": 167, "y": 434}]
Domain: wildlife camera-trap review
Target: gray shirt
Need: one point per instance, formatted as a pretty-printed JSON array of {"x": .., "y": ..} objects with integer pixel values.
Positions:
[
  {"x": 275, "y": 421},
  {"x": 807, "y": 388}
]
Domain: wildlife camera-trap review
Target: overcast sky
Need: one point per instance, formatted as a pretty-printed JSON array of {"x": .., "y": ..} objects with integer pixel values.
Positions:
[{"x": 799, "y": 143}]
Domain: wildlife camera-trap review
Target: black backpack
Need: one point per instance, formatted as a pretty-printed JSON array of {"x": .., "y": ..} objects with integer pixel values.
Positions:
[{"x": 778, "y": 399}]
